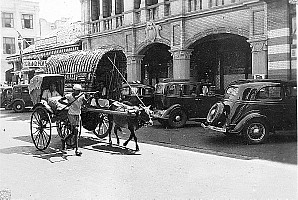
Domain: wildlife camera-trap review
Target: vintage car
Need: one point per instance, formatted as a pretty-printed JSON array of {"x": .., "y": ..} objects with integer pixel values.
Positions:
[
  {"x": 6, "y": 96},
  {"x": 255, "y": 108},
  {"x": 179, "y": 101},
  {"x": 137, "y": 92},
  {"x": 20, "y": 98}
]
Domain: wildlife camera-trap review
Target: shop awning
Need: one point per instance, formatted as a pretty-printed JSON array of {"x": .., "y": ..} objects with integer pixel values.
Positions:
[{"x": 76, "y": 62}]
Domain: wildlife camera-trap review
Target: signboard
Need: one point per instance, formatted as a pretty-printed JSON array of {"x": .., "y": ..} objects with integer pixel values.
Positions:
[{"x": 34, "y": 63}]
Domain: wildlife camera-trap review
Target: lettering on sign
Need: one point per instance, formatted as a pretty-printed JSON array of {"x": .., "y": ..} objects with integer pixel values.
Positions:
[{"x": 34, "y": 63}]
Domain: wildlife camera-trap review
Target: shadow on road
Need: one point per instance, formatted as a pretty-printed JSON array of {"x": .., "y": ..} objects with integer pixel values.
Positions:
[{"x": 54, "y": 154}]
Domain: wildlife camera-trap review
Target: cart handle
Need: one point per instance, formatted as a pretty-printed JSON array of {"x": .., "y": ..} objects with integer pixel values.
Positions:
[{"x": 69, "y": 104}]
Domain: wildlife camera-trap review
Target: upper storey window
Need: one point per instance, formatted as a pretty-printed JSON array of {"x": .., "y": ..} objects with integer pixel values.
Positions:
[
  {"x": 106, "y": 8},
  {"x": 9, "y": 45},
  {"x": 119, "y": 7},
  {"x": 27, "y": 21},
  {"x": 151, "y": 2},
  {"x": 95, "y": 10},
  {"x": 7, "y": 20}
]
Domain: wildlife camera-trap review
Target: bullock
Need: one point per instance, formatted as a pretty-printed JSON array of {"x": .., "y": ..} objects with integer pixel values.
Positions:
[{"x": 137, "y": 117}]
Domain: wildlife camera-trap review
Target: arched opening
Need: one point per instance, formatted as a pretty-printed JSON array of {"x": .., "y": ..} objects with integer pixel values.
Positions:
[
  {"x": 107, "y": 76},
  {"x": 156, "y": 64},
  {"x": 220, "y": 59}
]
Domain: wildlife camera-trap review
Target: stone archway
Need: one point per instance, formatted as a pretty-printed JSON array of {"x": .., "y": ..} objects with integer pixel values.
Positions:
[
  {"x": 217, "y": 30},
  {"x": 156, "y": 63},
  {"x": 146, "y": 44},
  {"x": 220, "y": 58}
]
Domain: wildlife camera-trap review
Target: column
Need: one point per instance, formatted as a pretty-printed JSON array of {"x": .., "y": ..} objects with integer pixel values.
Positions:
[
  {"x": 134, "y": 67},
  {"x": 259, "y": 59},
  {"x": 181, "y": 64}
]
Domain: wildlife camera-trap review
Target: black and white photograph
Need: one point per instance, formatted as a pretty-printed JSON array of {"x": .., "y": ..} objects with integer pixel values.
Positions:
[{"x": 148, "y": 99}]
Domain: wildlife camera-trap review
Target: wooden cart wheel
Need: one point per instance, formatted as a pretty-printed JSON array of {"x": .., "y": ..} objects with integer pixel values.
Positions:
[
  {"x": 101, "y": 130},
  {"x": 41, "y": 128}
]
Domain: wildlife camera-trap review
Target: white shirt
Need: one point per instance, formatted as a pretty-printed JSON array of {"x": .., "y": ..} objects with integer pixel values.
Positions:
[
  {"x": 75, "y": 108},
  {"x": 48, "y": 94}
]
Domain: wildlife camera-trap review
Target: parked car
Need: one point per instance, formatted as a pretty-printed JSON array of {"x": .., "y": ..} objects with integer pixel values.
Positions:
[
  {"x": 6, "y": 96},
  {"x": 255, "y": 108},
  {"x": 135, "y": 92},
  {"x": 20, "y": 98},
  {"x": 180, "y": 101}
]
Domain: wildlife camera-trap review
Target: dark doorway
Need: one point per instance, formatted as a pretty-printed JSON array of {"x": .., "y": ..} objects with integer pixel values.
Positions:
[
  {"x": 107, "y": 76},
  {"x": 156, "y": 64},
  {"x": 220, "y": 59}
]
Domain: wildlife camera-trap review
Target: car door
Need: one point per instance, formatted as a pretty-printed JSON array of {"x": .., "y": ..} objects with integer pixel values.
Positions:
[
  {"x": 290, "y": 107},
  {"x": 271, "y": 104},
  {"x": 26, "y": 96}
]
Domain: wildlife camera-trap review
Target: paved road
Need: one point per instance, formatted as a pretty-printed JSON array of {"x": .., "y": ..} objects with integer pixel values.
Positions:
[{"x": 112, "y": 172}]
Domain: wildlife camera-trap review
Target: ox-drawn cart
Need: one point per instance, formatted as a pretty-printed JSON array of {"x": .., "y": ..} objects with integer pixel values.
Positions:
[{"x": 47, "y": 115}]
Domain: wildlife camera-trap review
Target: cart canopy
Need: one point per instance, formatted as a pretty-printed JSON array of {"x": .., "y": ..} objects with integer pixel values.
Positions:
[{"x": 41, "y": 82}]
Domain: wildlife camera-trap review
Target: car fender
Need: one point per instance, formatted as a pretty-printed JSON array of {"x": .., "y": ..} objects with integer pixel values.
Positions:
[
  {"x": 15, "y": 100},
  {"x": 170, "y": 109},
  {"x": 240, "y": 125}
]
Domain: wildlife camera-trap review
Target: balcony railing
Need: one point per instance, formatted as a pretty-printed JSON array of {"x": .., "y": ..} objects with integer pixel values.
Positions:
[{"x": 154, "y": 12}]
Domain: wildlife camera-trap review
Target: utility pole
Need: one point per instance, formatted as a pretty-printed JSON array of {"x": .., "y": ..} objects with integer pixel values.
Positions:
[{"x": 20, "y": 43}]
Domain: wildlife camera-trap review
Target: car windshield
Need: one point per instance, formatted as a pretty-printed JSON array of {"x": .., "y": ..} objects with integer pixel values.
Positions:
[{"x": 232, "y": 92}]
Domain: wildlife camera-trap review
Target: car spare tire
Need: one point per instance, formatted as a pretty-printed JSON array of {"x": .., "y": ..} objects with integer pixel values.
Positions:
[{"x": 215, "y": 113}]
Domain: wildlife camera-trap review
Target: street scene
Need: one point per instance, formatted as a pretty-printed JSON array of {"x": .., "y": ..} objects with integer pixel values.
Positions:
[
  {"x": 148, "y": 99},
  {"x": 171, "y": 164}
]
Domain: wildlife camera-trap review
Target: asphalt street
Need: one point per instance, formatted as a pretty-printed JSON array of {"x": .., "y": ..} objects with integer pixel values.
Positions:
[{"x": 114, "y": 172}]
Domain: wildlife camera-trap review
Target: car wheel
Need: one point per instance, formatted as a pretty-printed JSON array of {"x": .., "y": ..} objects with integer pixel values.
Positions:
[
  {"x": 215, "y": 112},
  {"x": 18, "y": 106},
  {"x": 177, "y": 118},
  {"x": 256, "y": 131}
]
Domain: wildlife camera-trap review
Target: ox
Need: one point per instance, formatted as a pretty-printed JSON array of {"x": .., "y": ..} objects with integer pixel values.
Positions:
[{"x": 135, "y": 119}]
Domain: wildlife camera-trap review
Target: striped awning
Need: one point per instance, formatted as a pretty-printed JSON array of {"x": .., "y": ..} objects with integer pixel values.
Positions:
[{"x": 72, "y": 63}]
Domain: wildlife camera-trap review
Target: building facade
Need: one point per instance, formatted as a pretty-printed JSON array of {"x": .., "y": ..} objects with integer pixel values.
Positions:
[
  {"x": 58, "y": 38},
  {"x": 214, "y": 41},
  {"x": 19, "y": 29}
]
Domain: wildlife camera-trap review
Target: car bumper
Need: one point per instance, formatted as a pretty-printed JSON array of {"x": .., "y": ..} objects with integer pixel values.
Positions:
[{"x": 214, "y": 128}]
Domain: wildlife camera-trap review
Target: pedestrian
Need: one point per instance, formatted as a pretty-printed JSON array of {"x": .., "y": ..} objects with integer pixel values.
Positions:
[{"x": 75, "y": 100}]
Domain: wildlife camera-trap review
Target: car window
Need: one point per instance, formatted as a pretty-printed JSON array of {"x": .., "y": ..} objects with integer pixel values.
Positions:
[
  {"x": 125, "y": 91},
  {"x": 189, "y": 89},
  {"x": 291, "y": 91},
  {"x": 17, "y": 90},
  {"x": 174, "y": 89},
  {"x": 147, "y": 91},
  {"x": 270, "y": 92},
  {"x": 246, "y": 94},
  {"x": 25, "y": 90},
  {"x": 232, "y": 93},
  {"x": 134, "y": 91},
  {"x": 159, "y": 88}
]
